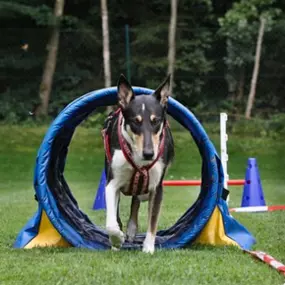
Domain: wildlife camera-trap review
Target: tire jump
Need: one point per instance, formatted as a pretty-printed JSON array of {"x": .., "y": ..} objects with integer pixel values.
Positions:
[{"x": 59, "y": 222}]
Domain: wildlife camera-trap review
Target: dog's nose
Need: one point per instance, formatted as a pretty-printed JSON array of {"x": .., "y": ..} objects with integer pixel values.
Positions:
[{"x": 148, "y": 154}]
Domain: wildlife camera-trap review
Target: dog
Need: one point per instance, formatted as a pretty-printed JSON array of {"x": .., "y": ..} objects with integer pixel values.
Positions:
[{"x": 139, "y": 149}]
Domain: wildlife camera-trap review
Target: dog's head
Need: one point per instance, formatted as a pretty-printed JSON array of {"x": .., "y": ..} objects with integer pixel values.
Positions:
[{"x": 144, "y": 117}]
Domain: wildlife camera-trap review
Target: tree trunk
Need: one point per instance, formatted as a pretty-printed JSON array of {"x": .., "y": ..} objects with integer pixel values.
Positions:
[
  {"x": 252, "y": 92},
  {"x": 171, "y": 41},
  {"x": 50, "y": 65},
  {"x": 106, "y": 46}
]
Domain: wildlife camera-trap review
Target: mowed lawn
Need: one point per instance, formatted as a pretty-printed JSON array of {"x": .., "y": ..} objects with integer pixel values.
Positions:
[{"x": 197, "y": 265}]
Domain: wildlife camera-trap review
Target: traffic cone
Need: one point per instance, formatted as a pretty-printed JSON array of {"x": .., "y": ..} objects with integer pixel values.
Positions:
[
  {"x": 252, "y": 190},
  {"x": 100, "y": 202}
]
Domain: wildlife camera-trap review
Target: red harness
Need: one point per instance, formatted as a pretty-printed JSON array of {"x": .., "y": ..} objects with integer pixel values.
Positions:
[{"x": 140, "y": 178}]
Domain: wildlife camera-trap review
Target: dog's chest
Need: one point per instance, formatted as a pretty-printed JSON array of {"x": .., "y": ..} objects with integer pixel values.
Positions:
[{"x": 123, "y": 171}]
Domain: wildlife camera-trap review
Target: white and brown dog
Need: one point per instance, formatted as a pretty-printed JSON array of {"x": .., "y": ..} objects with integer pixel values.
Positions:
[{"x": 139, "y": 148}]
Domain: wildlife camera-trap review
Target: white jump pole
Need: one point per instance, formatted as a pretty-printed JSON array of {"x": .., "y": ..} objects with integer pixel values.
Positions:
[{"x": 224, "y": 154}]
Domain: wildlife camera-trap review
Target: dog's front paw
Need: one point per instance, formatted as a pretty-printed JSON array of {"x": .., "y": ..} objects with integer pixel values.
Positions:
[
  {"x": 148, "y": 244},
  {"x": 148, "y": 248},
  {"x": 116, "y": 237},
  {"x": 115, "y": 248},
  {"x": 131, "y": 231}
]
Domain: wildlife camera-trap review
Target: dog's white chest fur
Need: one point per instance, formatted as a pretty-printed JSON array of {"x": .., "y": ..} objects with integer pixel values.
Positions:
[{"x": 122, "y": 171}]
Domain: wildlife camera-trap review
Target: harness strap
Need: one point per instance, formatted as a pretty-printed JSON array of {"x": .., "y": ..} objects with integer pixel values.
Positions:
[
  {"x": 106, "y": 135},
  {"x": 140, "y": 178}
]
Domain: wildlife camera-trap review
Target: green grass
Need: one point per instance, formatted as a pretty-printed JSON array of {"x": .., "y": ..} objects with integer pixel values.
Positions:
[{"x": 197, "y": 265}]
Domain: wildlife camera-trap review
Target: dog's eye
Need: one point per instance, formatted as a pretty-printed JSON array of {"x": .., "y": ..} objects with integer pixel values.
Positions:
[
  {"x": 155, "y": 121},
  {"x": 137, "y": 120}
]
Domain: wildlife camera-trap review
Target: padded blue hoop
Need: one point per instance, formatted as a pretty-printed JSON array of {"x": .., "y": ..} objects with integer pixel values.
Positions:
[{"x": 185, "y": 230}]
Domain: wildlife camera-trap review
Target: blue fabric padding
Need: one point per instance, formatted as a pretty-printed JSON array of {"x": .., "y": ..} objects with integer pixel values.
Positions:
[
  {"x": 184, "y": 231},
  {"x": 234, "y": 230},
  {"x": 29, "y": 231}
]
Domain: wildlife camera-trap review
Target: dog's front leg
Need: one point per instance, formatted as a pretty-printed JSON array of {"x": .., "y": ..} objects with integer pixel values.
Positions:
[
  {"x": 154, "y": 206},
  {"x": 119, "y": 221},
  {"x": 133, "y": 220},
  {"x": 116, "y": 236}
]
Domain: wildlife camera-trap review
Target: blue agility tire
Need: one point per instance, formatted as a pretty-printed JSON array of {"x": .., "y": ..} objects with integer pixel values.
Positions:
[{"x": 56, "y": 199}]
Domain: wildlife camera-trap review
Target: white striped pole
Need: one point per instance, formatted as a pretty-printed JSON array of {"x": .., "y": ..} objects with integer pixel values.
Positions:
[
  {"x": 271, "y": 261},
  {"x": 224, "y": 154},
  {"x": 255, "y": 209}
]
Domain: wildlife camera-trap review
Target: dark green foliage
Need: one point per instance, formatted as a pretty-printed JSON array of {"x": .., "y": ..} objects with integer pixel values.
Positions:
[
  {"x": 239, "y": 27},
  {"x": 201, "y": 73}
]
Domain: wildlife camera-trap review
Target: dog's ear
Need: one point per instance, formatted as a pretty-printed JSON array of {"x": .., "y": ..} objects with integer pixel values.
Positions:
[
  {"x": 125, "y": 92},
  {"x": 162, "y": 92}
]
